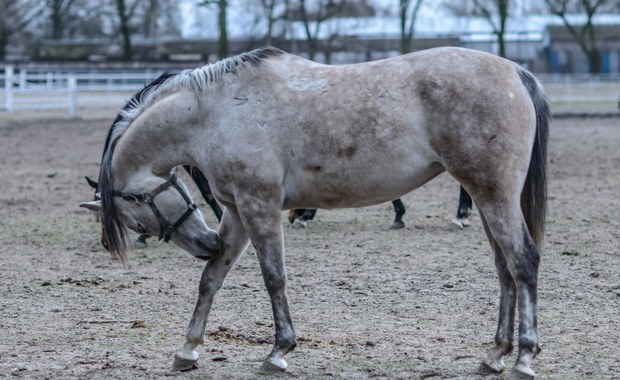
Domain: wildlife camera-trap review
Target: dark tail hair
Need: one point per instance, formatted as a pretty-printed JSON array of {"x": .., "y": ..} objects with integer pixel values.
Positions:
[{"x": 534, "y": 195}]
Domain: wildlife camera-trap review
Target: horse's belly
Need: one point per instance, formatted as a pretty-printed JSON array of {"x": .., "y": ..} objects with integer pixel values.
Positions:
[{"x": 357, "y": 188}]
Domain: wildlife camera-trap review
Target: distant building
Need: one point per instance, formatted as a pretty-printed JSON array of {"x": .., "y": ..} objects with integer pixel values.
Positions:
[{"x": 563, "y": 54}]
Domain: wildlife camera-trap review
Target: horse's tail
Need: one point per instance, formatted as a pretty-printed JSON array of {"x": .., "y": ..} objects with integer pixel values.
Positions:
[{"x": 534, "y": 195}]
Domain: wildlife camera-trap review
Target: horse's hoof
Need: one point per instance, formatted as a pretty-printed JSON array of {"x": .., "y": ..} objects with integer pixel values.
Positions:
[
  {"x": 397, "y": 225},
  {"x": 461, "y": 222},
  {"x": 139, "y": 244},
  {"x": 184, "y": 364},
  {"x": 299, "y": 224},
  {"x": 521, "y": 372},
  {"x": 491, "y": 369},
  {"x": 273, "y": 365}
]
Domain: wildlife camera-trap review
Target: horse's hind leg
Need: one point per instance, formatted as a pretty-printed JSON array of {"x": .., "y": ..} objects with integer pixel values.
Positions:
[
  {"x": 493, "y": 363},
  {"x": 234, "y": 242},
  {"x": 302, "y": 220},
  {"x": 141, "y": 241},
  {"x": 518, "y": 262},
  {"x": 463, "y": 211},
  {"x": 399, "y": 210}
]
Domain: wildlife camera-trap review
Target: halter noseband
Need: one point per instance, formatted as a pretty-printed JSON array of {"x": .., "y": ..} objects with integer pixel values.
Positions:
[{"x": 166, "y": 229}]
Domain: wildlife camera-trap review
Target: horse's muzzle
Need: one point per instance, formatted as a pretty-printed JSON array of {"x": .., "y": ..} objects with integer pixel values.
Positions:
[{"x": 210, "y": 244}]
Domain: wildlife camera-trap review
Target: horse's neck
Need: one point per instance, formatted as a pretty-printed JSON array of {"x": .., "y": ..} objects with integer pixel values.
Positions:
[{"x": 162, "y": 137}]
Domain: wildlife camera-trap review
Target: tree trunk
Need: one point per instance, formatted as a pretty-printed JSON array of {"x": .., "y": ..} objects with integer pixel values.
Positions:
[
  {"x": 405, "y": 41},
  {"x": 222, "y": 44},
  {"x": 502, "y": 9},
  {"x": 124, "y": 29},
  {"x": 3, "y": 44},
  {"x": 57, "y": 26},
  {"x": 594, "y": 59},
  {"x": 407, "y": 31},
  {"x": 501, "y": 44},
  {"x": 311, "y": 42}
]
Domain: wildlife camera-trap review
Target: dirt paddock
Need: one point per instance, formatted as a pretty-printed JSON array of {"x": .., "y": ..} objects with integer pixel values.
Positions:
[{"x": 367, "y": 302}]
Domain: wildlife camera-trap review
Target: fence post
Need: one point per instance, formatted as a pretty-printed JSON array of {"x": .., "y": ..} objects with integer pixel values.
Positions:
[
  {"x": 8, "y": 88},
  {"x": 22, "y": 79},
  {"x": 72, "y": 87},
  {"x": 49, "y": 79}
]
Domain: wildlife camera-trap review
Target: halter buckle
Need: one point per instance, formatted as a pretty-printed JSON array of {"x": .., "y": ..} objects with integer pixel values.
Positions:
[{"x": 147, "y": 198}]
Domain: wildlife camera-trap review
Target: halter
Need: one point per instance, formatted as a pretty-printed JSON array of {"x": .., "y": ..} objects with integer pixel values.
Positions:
[{"x": 166, "y": 229}]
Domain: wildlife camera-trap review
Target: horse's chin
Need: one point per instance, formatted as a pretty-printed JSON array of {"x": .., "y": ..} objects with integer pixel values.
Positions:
[{"x": 204, "y": 246}]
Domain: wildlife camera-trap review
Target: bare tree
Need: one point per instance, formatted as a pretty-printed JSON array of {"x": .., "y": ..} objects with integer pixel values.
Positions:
[
  {"x": 15, "y": 17},
  {"x": 408, "y": 14},
  {"x": 324, "y": 10},
  {"x": 125, "y": 11},
  {"x": 496, "y": 12},
  {"x": 60, "y": 14},
  {"x": 152, "y": 13},
  {"x": 75, "y": 18},
  {"x": 222, "y": 44},
  {"x": 269, "y": 8},
  {"x": 158, "y": 17},
  {"x": 584, "y": 34}
]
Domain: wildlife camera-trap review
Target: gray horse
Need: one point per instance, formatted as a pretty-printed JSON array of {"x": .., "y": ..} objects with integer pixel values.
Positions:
[{"x": 273, "y": 131}]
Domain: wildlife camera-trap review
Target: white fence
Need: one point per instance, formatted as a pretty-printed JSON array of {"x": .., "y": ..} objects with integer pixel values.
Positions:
[
  {"x": 582, "y": 88},
  {"x": 83, "y": 91},
  {"x": 25, "y": 90}
]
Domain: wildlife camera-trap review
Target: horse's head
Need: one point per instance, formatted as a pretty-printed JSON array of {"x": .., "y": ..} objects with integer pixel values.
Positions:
[{"x": 154, "y": 206}]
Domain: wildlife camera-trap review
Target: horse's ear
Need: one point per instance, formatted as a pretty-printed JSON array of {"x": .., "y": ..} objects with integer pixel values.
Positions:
[
  {"x": 92, "y": 206},
  {"x": 92, "y": 183}
]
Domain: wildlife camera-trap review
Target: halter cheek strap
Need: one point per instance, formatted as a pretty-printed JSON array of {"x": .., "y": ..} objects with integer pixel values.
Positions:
[{"x": 166, "y": 229}]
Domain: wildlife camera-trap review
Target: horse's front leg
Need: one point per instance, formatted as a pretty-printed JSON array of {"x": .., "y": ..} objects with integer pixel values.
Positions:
[
  {"x": 262, "y": 222},
  {"x": 234, "y": 242}
]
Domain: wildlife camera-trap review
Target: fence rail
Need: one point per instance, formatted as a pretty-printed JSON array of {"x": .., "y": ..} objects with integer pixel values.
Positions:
[{"x": 73, "y": 91}]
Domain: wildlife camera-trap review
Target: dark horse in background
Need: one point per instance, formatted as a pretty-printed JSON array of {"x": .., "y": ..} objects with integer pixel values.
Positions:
[{"x": 299, "y": 217}]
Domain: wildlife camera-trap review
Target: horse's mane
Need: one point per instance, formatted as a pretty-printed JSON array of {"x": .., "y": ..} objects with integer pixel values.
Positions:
[{"x": 196, "y": 81}]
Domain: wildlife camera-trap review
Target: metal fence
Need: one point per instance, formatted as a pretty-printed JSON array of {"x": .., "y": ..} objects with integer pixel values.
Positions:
[{"x": 77, "y": 92}]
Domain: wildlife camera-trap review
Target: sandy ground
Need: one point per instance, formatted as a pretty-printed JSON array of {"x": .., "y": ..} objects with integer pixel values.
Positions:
[{"x": 367, "y": 302}]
